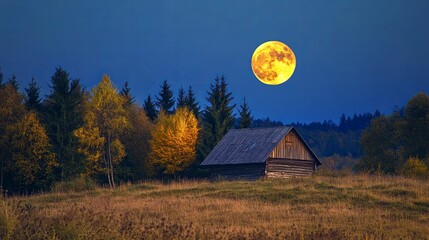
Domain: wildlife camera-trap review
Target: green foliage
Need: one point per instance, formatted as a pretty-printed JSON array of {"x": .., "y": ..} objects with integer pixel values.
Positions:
[
  {"x": 32, "y": 100},
  {"x": 382, "y": 145},
  {"x": 217, "y": 116},
  {"x": 191, "y": 102},
  {"x": 188, "y": 100},
  {"x": 126, "y": 93},
  {"x": 414, "y": 167},
  {"x": 165, "y": 100},
  {"x": 150, "y": 109},
  {"x": 136, "y": 142},
  {"x": 64, "y": 110},
  {"x": 416, "y": 127},
  {"x": 13, "y": 82},
  {"x": 11, "y": 111},
  {"x": 26, "y": 160},
  {"x": 245, "y": 115},
  {"x": 79, "y": 183},
  {"x": 181, "y": 101},
  {"x": 390, "y": 140}
]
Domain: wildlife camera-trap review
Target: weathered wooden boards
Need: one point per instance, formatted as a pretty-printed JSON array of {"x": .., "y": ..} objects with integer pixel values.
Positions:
[
  {"x": 238, "y": 171},
  {"x": 254, "y": 153},
  {"x": 291, "y": 147},
  {"x": 288, "y": 167}
]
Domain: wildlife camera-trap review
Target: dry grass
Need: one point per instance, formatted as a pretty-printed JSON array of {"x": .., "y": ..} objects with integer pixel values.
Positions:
[{"x": 320, "y": 207}]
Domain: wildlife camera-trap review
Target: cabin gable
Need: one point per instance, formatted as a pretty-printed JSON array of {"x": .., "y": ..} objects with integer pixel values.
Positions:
[
  {"x": 291, "y": 157},
  {"x": 292, "y": 147}
]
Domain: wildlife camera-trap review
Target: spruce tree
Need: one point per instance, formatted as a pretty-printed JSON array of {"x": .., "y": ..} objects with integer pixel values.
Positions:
[
  {"x": 245, "y": 115},
  {"x": 63, "y": 114},
  {"x": 192, "y": 103},
  {"x": 217, "y": 116},
  {"x": 150, "y": 109},
  {"x": 126, "y": 93},
  {"x": 12, "y": 81},
  {"x": 181, "y": 98},
  {"x": 165, "y": 100},
  {"x": 32, "y": 100}
]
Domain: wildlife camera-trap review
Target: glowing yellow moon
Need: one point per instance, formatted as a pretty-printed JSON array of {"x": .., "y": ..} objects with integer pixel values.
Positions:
[{"x": 273, "y": 62}]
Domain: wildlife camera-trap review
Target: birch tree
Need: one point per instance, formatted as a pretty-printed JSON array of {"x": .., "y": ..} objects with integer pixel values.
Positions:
[{"x": 105, "y": 120}]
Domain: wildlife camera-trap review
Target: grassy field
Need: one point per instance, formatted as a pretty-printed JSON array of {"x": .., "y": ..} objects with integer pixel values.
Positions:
[{"x": 320, "y": 207}]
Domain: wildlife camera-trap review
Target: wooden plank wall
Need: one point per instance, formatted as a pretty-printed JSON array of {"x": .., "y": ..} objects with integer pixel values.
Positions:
[
  {"x": 291, "y": 147},
  {"x": 284, "y": 168},
  {"x": 238, "y": 171}
]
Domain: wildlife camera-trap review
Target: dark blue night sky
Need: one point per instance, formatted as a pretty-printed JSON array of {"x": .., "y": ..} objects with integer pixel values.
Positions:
[{"x": 352, "y": 56}]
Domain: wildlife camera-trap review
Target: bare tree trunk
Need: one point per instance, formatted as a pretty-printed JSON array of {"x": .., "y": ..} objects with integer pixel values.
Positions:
[
  {"x": 110, "y": 161},
  {"x": 108, "y": 174}
]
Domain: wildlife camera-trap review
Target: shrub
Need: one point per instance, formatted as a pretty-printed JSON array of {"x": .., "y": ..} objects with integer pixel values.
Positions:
[
  {"x": 414, "y": 167},
  {"x": 77, "y": 184}
]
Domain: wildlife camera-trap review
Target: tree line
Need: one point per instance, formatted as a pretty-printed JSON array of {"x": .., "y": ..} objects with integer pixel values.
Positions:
[
  {"x": 328, "y": 139},
  {"x": 103, "y": 135},
  {"x": 398, "y": 143},
  {"x": 394, "y": 143}
]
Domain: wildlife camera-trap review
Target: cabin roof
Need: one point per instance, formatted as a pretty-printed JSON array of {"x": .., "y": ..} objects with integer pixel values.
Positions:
[{"x": 249, "y": 145}]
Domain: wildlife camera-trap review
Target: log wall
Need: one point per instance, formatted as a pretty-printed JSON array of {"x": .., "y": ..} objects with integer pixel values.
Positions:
[
  {"x": 284, "y": 168},
  {"x": 291, "y": 147},
  {"x": 238, "y": 171}
]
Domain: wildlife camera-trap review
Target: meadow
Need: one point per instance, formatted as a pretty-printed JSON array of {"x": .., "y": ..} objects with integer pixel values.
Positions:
[{"x": 318, "y": 207}]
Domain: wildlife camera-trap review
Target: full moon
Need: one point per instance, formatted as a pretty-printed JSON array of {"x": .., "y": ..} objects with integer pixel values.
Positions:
[{"x": 273, "y": 63}]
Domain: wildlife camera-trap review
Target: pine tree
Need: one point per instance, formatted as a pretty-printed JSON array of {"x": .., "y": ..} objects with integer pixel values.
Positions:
[
  {"x": 32, "y": 100},
  {"x": 150, "y": 109},
  {"x": 126, "y": 93},
  {"x": 192, "y": 103},
  {"x": 181, "y": 98},
  {"x": 217, "y": 117},
  {"x": 245, "y": 115},
  {"x": 63, "y": 113},
  {"x": 165, "y": 100},
  {"x": 12, "y": 81}
]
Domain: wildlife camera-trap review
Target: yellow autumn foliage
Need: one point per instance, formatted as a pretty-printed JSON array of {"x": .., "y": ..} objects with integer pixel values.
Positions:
[
  {"x": 105, "y": 120},
  {"x": 32, "y": 160},
  {"x": 91, "y": 144},
  {"x": 173, "y": 143},
  {"x": 414, "y": 167}
]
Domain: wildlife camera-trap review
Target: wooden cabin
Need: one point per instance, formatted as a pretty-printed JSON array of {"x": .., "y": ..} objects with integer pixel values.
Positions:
[{"x": 252, "y": 153}]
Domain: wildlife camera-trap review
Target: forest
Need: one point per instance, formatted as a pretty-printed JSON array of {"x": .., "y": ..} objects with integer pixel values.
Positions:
[{"x": 104, "y": 137}]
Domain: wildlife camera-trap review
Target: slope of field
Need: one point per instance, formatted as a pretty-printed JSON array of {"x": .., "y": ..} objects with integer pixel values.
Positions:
[{"x": 320, "y": 207}]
